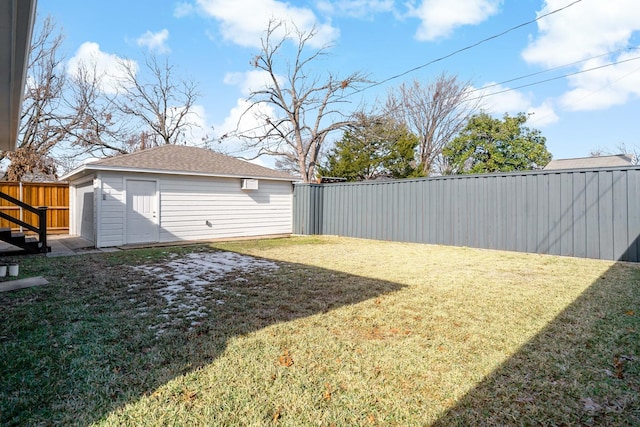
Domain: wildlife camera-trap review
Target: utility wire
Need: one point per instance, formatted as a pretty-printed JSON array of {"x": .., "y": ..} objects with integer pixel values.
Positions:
[
  {"x": 635, "y": 58},
  {"x": 471, "y": 46},
  {"x": 601, "y": 88},
  {"x": 234, "y": 133},
  {"x": 555, "y": 68}
]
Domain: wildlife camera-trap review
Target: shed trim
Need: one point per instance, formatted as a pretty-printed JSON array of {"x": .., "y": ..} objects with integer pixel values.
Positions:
[{"x": 91, "y": 168}]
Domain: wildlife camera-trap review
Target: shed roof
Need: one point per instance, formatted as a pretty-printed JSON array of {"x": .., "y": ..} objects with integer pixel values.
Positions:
[
  {"x": 181, "y": 160},
  {"x": 591, "y": 162}
]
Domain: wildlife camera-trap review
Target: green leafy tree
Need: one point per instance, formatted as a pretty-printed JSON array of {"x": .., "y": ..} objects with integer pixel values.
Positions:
[
  {"x": 487, "y": 144},
  {"x": 373, "y": 147}
]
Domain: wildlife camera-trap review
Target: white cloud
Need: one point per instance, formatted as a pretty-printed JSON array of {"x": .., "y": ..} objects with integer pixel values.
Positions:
[
  {"x": 440, "y": 17},
  {"x": 355, "y": 8},
  {"x": 107, "y": 66},
  {"x": 155, "y": 42},
  {"x": 196, "y": 123},
  {"x": 498, "y": 100},
  {"x": 239, "y": 121},
  {"x": 183, "y": 9},
  {"x": 244, "y": 121},
  {"x": 542, "y": 115},
  {"x": 248, "y": 81},
  {"x": 581, "y": 31},
  {"x": 604, "y": 87},
  {"x": 586, "y": 30},
  {"x": 243, "y": 22}
]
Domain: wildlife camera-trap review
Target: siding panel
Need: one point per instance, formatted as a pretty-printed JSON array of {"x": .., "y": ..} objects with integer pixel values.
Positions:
[{"x": 194, "y": 208}]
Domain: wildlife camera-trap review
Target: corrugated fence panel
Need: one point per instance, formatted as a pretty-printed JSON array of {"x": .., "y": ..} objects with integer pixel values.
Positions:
[
  {"x": 582, "y": 213},
  {"x": 555, "y": 214},
  {"x": 566, "y": 219},
  {"x": 633, "y": 198},
  {"x": 592, "y": 215},
  {"x": 579, "y": 212},
  {"x": 620, "y": 214},
  {"x": 605, "y": 208}
]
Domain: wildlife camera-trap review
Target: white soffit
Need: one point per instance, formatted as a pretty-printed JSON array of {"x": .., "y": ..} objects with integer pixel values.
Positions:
[{"x": 16, "y": 26}]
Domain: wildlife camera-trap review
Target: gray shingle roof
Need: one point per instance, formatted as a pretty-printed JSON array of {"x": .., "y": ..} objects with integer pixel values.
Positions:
[
  {"x": 591, "y": 162},
  {"x": 183, "y": 159}
]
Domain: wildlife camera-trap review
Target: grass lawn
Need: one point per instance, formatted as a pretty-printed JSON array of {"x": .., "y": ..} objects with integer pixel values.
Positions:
[{"x": 321, "y": 331}]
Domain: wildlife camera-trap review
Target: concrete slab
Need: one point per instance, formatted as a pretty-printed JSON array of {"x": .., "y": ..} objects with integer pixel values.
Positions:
[
  {"x": 59, "y": 249},
  {"x": 65, "y": 245},
  {"x": 72, "y": 242},
  {"x": 23, "y": 283}
]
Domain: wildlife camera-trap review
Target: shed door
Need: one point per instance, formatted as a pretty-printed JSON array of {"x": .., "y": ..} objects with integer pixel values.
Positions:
[
  {"x": 84, "y": 212},
  {"x": 142, "y": 207}
]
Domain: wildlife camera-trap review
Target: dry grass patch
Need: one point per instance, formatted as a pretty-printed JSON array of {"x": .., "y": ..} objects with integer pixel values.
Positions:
[{"x": 325, "y": 331}]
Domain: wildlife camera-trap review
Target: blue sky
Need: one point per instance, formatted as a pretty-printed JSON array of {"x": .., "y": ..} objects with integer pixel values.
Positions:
[{"x": 213, "y": 41}]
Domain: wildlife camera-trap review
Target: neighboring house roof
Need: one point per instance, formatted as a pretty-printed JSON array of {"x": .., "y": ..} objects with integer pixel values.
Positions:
[
  {"x": 16, "y": 25},
  {"x": 591, "y": 162},
  {"x": 181, "y": 160}
]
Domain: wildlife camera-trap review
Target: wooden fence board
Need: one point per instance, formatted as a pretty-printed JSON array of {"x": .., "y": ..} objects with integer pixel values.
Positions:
[{"x": 55, "y": 196}]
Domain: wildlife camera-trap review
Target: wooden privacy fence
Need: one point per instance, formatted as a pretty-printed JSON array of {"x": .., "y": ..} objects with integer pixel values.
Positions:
[
  {"x": 581, "y": 213},
  {"x": 55, "y": 196}
]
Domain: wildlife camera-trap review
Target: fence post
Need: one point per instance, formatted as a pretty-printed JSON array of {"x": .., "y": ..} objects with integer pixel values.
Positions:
[
  {"x": 42, "y": 228},
  {"x": 21, "y": 198}
]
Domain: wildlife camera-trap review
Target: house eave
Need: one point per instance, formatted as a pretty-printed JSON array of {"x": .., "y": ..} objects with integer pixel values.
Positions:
[
  {"x": 16, "y": 26},
  {"x": 89, "y": 168}
]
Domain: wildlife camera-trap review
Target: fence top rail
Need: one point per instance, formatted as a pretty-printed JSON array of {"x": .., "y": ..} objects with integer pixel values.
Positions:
[
  {"x": 19, "y": 203},
  {"x": 36, "y": 184},
  {"x": 477, "y": 176}
]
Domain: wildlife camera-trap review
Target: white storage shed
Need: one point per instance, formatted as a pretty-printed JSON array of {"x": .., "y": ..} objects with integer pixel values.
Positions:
[{"x": 176, "y": 193}]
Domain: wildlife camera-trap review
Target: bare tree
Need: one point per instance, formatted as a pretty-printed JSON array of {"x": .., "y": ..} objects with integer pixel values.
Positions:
[
  {"x": 295, "y": 110},
  {"x": 103, "y": 128},
  {"x": 73, "y": 113},
  {"x": 633, "y": 151},
  {"x": 435, "y": 113},
  {"x": 148, "y": 108},
  {"x": 46, "y": 117},
  {"x": 621, "y": 148},
  {"x": 162, "y": 103}
]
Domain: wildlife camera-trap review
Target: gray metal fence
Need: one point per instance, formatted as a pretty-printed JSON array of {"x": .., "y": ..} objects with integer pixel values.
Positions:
[{"x": 581, "y": 213}]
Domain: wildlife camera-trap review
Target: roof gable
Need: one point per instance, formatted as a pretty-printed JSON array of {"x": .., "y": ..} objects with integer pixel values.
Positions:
[{"x": 180, "y": 159}]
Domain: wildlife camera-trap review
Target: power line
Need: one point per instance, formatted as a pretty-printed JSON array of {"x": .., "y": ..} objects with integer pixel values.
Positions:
[
  {"x": 605, "y": 86},
  {"x": 234, "y": 133},
  {"x": 556, "y": 68},
  {"x": 471, "y": 46},
  {"x": 552, "y": 78}
]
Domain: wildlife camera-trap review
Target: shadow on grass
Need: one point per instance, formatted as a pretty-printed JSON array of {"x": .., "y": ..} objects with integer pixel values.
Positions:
[
  {"x": 582, "y": 369},
  {"x": 88, "y": 343}
]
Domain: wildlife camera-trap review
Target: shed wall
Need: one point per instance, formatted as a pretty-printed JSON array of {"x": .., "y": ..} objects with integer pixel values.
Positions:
[
  {"x": 200, "y": 208},
  {"x": 195, "y": 208},
  {"x": 78, "y": 190},
  {"x": 110, "y": 213}
]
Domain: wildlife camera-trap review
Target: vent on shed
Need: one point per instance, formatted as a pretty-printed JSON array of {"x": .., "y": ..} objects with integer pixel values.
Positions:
[{"x": 249, "y": 184}]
